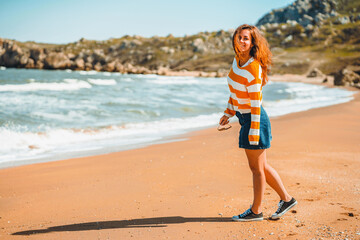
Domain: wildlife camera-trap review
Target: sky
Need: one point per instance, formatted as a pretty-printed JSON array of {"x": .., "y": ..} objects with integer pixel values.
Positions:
[{"x": 64, "y": 21}]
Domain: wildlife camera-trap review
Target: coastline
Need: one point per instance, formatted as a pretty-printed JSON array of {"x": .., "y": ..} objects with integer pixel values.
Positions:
[
  {"x": 190, "y": 189},
  {"x": 82, "y": 151}
]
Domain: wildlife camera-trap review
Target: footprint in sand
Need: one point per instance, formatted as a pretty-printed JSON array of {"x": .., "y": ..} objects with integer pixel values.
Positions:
[
  {"x": 348, "y": 208},
  {"x": 349, "y": 214}
]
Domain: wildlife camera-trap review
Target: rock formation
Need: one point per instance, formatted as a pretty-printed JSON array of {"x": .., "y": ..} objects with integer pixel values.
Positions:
[
  {"x": 303, "y": 12},
  {"x": 349, "y": 76},
  {"x": 303, "y": 23}
]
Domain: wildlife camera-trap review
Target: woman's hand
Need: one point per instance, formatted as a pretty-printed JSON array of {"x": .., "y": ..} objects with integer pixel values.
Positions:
[{"x": 224, "y": 120}]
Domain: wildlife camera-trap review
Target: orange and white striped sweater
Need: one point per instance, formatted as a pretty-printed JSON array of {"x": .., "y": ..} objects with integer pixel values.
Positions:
[{"x": 245, "y": 84}]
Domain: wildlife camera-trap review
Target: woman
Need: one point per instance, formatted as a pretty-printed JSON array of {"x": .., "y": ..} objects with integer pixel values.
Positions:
[{"x": 247, "y": 76}]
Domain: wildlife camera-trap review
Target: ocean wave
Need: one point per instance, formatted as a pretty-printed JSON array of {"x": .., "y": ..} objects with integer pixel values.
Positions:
[
  {"x": 68, "y": 116},
  {"x": 68, "y": 84},
  {"x": 183, "y": 102},
  {"x": 26, "y": 145},
  {"x": 68, "y": 122},
  {"x": 187, "y": 81},
  {"x": 92, "y": 72},
  {"x": 99, "y": 81},
  {"x": 106, "y": 73},
  {"x": 127, "y": 79},
  {"x": 286, "y": 106},
  {"x": 171, "y": 81}
]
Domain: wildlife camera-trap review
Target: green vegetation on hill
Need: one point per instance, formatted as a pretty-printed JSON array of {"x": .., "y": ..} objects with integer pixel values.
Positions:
[
  {"x": 333, "y": 47},
  {"x": 348, "y": 6}
]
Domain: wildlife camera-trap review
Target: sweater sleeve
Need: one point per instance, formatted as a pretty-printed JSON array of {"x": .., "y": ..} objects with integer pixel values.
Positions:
[
  {"x": 230, "y": 112},
  {"x": 254, "y": 90}
]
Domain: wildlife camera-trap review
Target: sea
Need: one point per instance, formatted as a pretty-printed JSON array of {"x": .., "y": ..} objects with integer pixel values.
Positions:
[{"x": 48, "y": 115}]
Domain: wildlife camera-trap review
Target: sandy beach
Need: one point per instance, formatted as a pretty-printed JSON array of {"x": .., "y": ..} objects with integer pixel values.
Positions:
[{"x": 190, "y": 189}]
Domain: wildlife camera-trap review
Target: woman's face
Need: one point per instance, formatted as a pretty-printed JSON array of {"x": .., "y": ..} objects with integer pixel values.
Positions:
[{"x": 245, "y": 41}]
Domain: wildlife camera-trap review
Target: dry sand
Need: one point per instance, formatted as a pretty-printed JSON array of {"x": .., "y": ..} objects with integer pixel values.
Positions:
[{"x": 190, "y": 189}]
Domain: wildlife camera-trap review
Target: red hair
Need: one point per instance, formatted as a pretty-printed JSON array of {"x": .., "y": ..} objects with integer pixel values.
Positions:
[{"x": 260, "y": 50}]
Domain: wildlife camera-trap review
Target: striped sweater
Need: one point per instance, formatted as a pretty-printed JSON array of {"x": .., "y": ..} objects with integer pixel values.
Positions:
[{"x": 245, "y": 84}]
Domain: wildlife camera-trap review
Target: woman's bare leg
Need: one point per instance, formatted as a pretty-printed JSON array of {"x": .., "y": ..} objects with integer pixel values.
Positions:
[
  {"x": 274, "y": 180},
  {"x": 257, "y": 160},
  {"x": 263, "y": 173}
]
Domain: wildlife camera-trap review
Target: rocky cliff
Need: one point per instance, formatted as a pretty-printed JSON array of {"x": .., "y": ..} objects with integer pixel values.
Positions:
[
  {"x": 331, "y": 24},
  {"x": 303, "y": 12},
  {"x": 206, "y": 51}
]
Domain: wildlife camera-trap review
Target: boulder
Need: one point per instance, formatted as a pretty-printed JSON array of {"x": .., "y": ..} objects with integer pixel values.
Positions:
[
  {"x": 129, "y": 44},
  {"x": 98, "y": 66},
  {"x": 71, "y": 56},
  {"x": 346, "y": 77},
  {"x": 109, "y": 67},
  {"x": 37, "y": 54},
  {"x": 306, "y": 20},
  {"x": 221, "y": 33},
  {"x": 319, "y": 18},
  {"x": 163, "y": 71},
  {"x": 278, "y": 33},
  {"x": 57, "y": 60},
  {"x": 12, "y": 55},
  {"x": 88, "y": 66},
  {"x": 167, "y": 50},
  {"x": 30, "y": 63},
  {"x": 288, "y": 39},
  {"x": 98, "y": 56},
  {"x": 79, "y": 63},
  {"x": 342, "y": 20},
  {"x": 199, "y": 46},
  {"x": 119, "y": 67},
  {"x": 39, "y": 65},
  {"x": 315, "y": 73}
]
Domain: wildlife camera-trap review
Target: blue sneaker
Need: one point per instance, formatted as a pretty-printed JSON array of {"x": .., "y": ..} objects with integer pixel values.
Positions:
[
  {"x": 283, "y": 208},
  {"x": 248, "y": 216}
]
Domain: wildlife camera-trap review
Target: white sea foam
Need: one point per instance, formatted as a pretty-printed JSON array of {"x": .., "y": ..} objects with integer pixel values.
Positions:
[
  {"x": 106, "y": 73},
  {"x": 2, "y": 68},
  {"x": 18, "y": 146},
  {"x": 99, "y": 81},
  {"x": 305, "y": 97},
  {"x": 127, "y": 79},
  {"x": 69, "y": 116},
  {"x": 183, "y": 102},
  {"x": 68, "y": 84},
  {"x": 152, "y": 76},
  {"x": 171, "y": 81},
  {"x": 147, "y": 98},
  {"x": 187, "y": 81},
  {"x": 92, "y": 72}
]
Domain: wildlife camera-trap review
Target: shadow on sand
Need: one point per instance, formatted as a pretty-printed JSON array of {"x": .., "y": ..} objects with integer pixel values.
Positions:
[{"x": 134, "y": 223}]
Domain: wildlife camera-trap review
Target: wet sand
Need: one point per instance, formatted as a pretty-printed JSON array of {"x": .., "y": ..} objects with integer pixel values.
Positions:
[{"x": 190, "y": 189}]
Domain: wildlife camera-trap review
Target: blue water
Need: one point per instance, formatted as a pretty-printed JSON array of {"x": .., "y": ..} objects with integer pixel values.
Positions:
[{"x": 61, "y": 114}]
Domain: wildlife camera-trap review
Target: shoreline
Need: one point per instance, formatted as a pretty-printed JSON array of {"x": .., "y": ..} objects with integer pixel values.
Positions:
[
  {"x": 190, "y": 189},
  {"x": 165, "y": 139}
]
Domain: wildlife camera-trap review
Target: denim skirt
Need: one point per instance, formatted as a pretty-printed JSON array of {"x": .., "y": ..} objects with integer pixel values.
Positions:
[{"x": 265, "y": 130}]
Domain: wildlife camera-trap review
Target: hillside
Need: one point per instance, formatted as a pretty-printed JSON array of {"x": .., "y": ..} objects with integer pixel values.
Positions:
[{"x": 306, "y": 34}]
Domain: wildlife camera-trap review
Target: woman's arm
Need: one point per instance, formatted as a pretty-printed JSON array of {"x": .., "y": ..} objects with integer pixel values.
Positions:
[{"x": 254, "y": 90}]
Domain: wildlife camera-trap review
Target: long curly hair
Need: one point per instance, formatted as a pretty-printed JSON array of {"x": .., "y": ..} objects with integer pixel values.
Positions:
[{"x": 260, "y": 50}]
